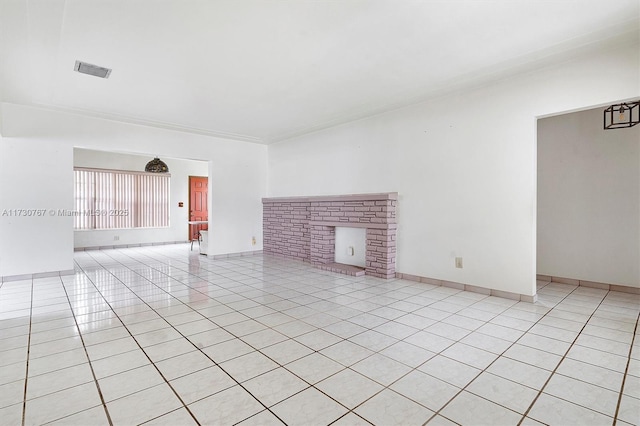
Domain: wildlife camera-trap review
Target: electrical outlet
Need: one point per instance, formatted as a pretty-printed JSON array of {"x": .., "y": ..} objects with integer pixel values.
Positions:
[
  {"x": 116, "y": 238},
  {"x": 253, "y": 241},
  {"x": 458, "y": 262}
]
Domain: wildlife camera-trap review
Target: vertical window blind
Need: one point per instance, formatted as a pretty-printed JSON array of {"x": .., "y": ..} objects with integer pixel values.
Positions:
[{"x": 109, "y": 199}]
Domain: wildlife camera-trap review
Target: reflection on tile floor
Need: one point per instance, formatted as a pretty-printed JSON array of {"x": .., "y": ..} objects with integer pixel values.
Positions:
[{"x": 161, "y": 335}]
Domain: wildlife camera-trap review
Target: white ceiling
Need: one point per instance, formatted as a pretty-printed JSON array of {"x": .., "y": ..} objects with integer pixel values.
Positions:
[{"x": 265, "y": 70}]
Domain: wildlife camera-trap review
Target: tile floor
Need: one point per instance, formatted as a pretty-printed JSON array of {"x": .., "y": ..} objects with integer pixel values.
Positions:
[{"x": 161, "y": 335}]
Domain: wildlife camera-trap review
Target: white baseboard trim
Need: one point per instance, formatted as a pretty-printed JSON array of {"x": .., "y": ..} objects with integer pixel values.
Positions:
[{"x": 471, "y": 288}]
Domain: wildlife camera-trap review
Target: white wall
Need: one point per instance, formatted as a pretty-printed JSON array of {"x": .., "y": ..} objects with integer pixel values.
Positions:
[
  {"x": 588, "y": 199},
  {"x": 464, "y": 167},
  {"x": 347, "y": 238},
  {"x": 34, "y": 176},
  {"x": 45, "y": 139},
  {"x": 179, "y": 169}
]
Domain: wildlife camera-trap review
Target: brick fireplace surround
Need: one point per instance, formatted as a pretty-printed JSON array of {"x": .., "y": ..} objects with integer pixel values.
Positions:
[{"x": 304, "y": 228}]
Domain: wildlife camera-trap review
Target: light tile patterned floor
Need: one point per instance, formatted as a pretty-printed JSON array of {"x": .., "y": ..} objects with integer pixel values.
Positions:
[{"x": 162, "y": 335}]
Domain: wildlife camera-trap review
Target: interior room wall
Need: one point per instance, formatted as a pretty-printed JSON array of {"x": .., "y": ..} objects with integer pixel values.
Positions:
[
  {"x": 464, "y": 166},
  {"x": 33, "y": 237},
  {"x": 588, "y": 199},
  {"x": 178, "y": 229},
  {"x": 37, "y": 149}
]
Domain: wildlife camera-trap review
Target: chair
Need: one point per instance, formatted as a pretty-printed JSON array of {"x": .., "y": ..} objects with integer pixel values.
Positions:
[{"x": 204, "y": 245}]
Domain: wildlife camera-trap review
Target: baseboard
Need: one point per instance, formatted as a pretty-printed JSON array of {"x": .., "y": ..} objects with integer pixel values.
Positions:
[
  {"x": 25, "y": 277},
  {"x": 121, "y": 246},
  {"x": 471, "y": 288},
  {"x": 590, "y": 284},
  {"x": 238, "y": 254}
]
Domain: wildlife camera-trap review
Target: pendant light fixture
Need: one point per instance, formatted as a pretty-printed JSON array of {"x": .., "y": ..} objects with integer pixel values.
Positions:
[
  {"x": 156, "y": 166},
  {"x": 620, "y": 116}
]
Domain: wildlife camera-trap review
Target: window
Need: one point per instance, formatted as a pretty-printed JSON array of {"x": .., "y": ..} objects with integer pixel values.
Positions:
[{"x": 109, "y": 199}]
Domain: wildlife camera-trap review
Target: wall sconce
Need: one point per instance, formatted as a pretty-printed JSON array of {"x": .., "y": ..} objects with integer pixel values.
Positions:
[
  {"x": 156, "y": 166},
  {"x": 619, "y": 116}
]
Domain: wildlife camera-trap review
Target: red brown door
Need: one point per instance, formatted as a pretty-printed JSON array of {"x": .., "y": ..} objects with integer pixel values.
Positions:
[{"x": 198, "y": 204}]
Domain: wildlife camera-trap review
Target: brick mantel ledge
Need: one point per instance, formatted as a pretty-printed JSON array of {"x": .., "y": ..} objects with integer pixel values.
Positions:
[{"x": 318, "y": 198}]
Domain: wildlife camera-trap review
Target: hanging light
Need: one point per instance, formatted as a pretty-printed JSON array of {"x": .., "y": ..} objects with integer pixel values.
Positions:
[
  {"x": 619, "y": 116},
  {"x": 156, "y": 166}
]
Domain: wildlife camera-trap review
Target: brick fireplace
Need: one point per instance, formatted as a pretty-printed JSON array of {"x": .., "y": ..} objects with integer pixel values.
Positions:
[{"x": 304, "y": 228}]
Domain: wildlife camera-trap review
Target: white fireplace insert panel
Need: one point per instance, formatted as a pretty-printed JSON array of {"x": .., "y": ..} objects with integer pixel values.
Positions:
[{"x": 351, "y": 246}]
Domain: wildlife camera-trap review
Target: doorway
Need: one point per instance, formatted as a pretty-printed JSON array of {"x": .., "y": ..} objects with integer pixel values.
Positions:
[
  {"x": 198, "y": 210},
  {"x": 588, "y": 200}
]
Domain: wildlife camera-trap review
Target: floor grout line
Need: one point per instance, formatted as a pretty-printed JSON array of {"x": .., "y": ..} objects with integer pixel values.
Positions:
[
  {"x": 84, "y": 347},
  {"x": 626, "y": 372},
  {"x": 26, "y": 374}
]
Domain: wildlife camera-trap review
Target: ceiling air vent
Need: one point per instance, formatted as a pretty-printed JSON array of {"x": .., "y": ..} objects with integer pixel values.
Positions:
[{"x": 93, "y": 70}]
